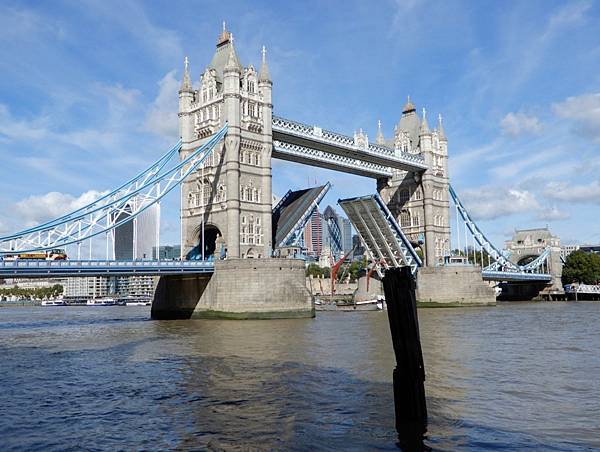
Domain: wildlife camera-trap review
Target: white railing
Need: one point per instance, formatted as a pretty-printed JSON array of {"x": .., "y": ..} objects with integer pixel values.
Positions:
[
  {"x": 327, "y": 157},
  {"x": 287, "y": 126}
]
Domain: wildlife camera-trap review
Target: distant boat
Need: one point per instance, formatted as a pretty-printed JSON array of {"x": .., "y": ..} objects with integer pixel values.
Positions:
[
  {"x": 55, "y": 302},
  {"x": 139, "y": 303},
  {"x": 107, "y": 301}
]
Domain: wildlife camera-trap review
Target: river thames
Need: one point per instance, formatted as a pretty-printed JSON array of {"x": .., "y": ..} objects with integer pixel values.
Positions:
[{"x": 510, "y": 377}]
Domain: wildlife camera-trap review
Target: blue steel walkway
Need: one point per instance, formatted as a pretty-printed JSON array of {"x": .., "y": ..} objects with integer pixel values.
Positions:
[{"x": 32, "y": 269}]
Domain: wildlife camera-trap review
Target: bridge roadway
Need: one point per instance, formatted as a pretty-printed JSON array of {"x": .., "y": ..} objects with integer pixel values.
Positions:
[
  {"x": 510, "y": 276},
  {"x": 312, "y": 145},
  {"x": 70, "y": 268}
]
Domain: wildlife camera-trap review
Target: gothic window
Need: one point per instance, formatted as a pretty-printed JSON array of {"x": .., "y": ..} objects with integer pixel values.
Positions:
[
  {"x": 416, "y": 220},
  {"x": 251, "y": 87},
  {"x": 221, "y": 196},
  {"x": 243, "y": 219},
  {"x": 403, "y": 195},
  {"x": 418, "y": 194},
  {"x": 404, "y": 219},
  {"x": 206, "y": 192}
]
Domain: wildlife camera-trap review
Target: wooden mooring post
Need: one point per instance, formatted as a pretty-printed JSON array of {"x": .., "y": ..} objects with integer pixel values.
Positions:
[{"x": 409, "y": 374}]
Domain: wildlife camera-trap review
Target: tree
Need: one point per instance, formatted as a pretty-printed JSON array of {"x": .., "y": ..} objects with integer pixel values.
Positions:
[{"x": 581, "y": 267}]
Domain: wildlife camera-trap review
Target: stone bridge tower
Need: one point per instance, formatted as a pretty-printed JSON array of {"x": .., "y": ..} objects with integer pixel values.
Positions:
[
  {"x": 230, "y": 194},
  {"x": 420, "y": 201}
]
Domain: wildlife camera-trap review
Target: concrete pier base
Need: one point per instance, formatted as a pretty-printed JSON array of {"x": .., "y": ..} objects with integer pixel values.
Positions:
[
  {"x": 238, "y": 289},
  {"x": 453, "y": 286},
  {"x": 374, "y": 290}
]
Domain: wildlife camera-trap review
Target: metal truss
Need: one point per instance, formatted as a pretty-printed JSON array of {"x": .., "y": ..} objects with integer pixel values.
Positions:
[
  {"x": 295, "y": 234},
  {"x": 141, "y": 179},
  {"x": 313, "y": 137},
  {"x": 324, "y": 159},
  {"x": 381, "y": 235},
  {"x": 111, "y": 211},
  {"x": 501, "y": 268}
]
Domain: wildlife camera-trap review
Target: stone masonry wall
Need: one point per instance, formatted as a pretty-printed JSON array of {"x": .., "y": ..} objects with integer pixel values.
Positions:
[
  {"x": 453, "y": 285},
  {"x": 256, "y": 288}
]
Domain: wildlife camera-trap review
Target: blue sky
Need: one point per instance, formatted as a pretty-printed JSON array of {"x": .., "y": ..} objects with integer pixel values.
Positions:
[{"x": 88, "y": 96}]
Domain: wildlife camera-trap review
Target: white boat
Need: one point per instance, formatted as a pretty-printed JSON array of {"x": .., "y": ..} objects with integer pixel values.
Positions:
[
  {"x": 139, "y": 303},
  {"x": 101, "y": 302},
  {"x": 56, "y": 302},
  {"x": 378, "y": 304}
]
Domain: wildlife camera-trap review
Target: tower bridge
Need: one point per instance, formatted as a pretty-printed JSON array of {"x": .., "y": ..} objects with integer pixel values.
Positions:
[{"x": 229, "y": 137}]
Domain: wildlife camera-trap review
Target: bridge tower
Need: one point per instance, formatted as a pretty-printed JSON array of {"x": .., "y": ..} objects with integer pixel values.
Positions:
[
  {"x": 230, "y": 195},
  {"x": 420, "y": 201}
]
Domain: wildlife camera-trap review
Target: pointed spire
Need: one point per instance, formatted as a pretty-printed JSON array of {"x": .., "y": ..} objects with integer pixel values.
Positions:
[
  {"x": 233, "y": 63},
  {"x": 424, "y": 126},
  {"x": 186, "y": 82},
  {"x": 441, "y": 132},
  {"x": 225, "y": 36},
  {"x": 380, "y": 138},
  {"x": 408, "y": 106},
  {"x": 264, "y": 75}
]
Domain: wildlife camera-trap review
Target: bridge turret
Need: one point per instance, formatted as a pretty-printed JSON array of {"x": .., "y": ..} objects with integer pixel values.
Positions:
[
  {"x": 186, "y": 97},
  {"x": 265, "y": 88},
  {"x": 231, "y": 96}
]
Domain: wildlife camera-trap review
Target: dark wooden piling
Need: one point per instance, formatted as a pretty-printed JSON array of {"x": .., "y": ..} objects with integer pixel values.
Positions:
[{"x": 409, "y": 374}]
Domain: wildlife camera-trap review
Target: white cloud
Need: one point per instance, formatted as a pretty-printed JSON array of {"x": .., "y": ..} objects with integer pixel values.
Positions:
[
  {"x": 489, "y": 203},
  {"x": 36, "y": 209},
  {"x": 571, "y": 14},
  {"x": 552, "y": 214},
  {"x": 517, "y": 124},
  {"x": 584, "y": 193},
  {"x": 162, "y": 116},
  {"x": 584, "y": 111}
]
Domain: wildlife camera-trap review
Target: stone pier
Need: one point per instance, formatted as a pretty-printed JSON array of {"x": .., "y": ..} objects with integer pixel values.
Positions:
[
  {"x": 453, "y": 286},
  {"x": 238, "y": 289}
]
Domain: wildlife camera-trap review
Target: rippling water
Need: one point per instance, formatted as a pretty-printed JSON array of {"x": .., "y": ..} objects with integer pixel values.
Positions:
[{"x": 515, "y": 376}]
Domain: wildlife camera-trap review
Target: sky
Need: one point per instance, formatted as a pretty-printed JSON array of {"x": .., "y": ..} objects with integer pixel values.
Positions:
[{"x": 88, "y": 96}]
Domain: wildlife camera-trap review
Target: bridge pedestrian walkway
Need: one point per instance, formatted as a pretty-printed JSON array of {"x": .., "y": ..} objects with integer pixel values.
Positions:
[{"x": 70, "y": 268}]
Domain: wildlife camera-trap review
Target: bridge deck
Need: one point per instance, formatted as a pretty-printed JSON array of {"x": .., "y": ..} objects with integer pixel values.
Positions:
[
  {"x": 303, "y": 138},
  {"x": 510, "y": 276},
  {"x": 381, "y": 234},
  {"x": 68, "y": 268}
]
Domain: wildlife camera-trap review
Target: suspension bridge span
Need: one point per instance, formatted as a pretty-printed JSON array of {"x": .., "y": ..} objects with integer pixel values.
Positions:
[{"x": 231, "y": 233}]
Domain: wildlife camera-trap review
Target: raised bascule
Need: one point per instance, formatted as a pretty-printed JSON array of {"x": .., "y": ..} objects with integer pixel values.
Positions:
[{"x": 233, "y": 239}]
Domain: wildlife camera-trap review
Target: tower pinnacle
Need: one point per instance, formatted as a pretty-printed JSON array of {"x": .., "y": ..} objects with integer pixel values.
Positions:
[
  {"x": 424, "y": 126},
  {"x": 186, "y": 82},
  {"x": 264, "y": 75},
  {"x": 225, "y": 36},
  {"x": 380, "y": 138},
  {"x": 441, "y": 132},
  {"x": 408, "y": 106}
]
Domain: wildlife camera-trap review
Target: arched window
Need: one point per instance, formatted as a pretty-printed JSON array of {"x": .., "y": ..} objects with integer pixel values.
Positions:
[
  {"x": 416, "y": 220},
  {"x": 221, "y": 193},
  {"x": 418, "y": 194},
  {"x": 405, "y": 219},
  {"x": 206, "y": 192}
]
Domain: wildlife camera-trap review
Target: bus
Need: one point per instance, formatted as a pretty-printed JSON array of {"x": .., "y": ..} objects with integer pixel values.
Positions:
[{"x": 56, "y": 254}]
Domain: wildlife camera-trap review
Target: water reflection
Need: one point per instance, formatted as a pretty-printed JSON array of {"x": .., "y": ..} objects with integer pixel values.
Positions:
[{"x": 514, "y": 376}]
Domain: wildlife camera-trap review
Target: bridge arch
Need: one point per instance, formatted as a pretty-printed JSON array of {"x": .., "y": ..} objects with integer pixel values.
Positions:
[{"x": 208, "y": 241}]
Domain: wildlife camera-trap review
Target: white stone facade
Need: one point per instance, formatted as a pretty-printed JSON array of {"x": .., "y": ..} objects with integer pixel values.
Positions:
[
  {"x": 230, "y": 195},
  {"x": 420, "y": 201}
]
